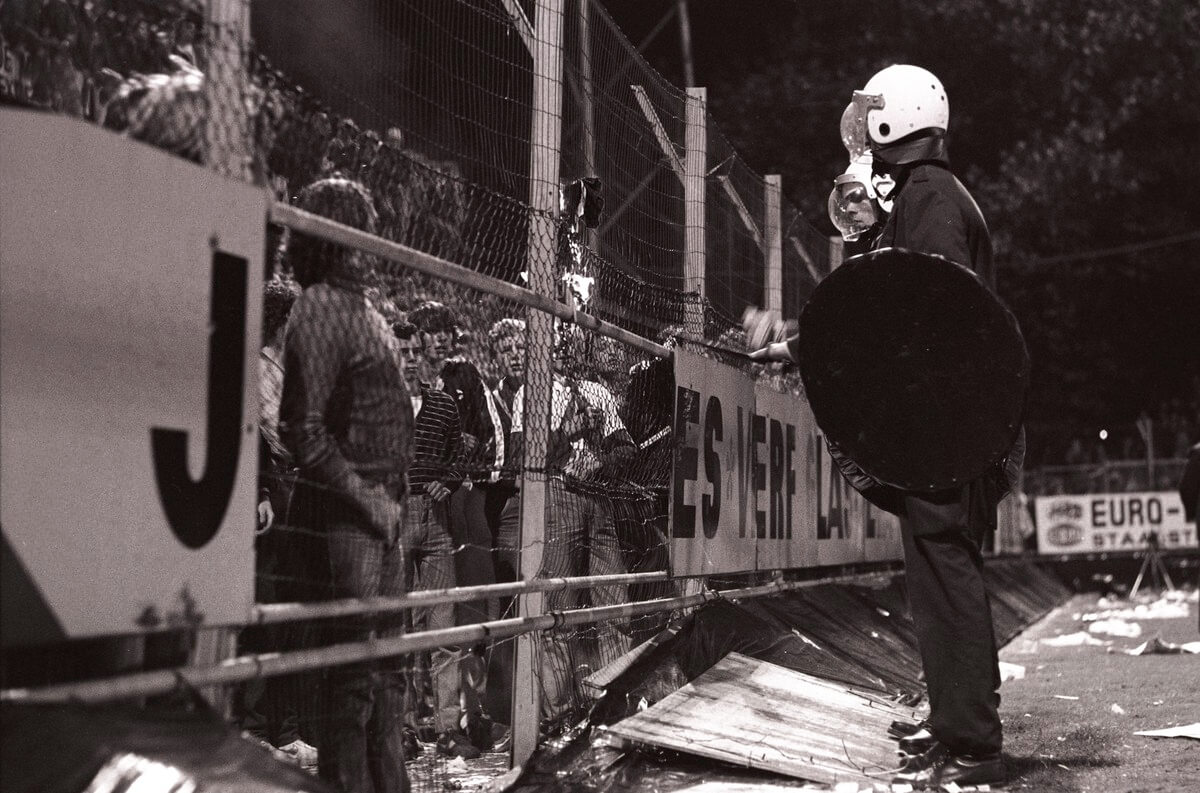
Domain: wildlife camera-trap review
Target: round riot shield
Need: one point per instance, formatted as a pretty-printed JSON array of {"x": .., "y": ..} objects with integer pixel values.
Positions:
[{"x": 913, "y": 368}]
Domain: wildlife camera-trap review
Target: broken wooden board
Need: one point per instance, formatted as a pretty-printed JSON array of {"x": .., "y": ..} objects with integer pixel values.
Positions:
[
  {"x": 757, "y": 714},
  {"x": 599, "y": 680}
]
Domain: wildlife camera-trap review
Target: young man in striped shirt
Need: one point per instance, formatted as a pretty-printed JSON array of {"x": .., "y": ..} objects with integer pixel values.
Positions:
[{"x": 435, "y": 474}]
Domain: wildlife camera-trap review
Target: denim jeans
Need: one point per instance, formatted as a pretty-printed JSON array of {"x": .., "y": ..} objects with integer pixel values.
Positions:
[
  {"x": 363, "y": 751},
  {"x": 431, "y": 566},
  {"x": 580, "y": 539}
]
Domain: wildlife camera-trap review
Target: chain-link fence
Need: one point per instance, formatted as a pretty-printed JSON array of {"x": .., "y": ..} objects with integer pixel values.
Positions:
[
  {"x": 464, "y": 378},
  {"x": 1113, "y": 476}
]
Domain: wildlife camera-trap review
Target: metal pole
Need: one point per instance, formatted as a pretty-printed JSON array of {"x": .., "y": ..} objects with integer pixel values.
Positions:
[
  {"x": 251, "y": 667},
  {"x": 773, "y": 242},
  {"x": 685, "y": 44},
  {"x": 589, "y": 89},
  {"x": 226, "y": 151},
  {"x": 413, "y": 259},
  {"x": 272, "y": 613},
  {"x": 837, "y": 253},
  {"x": 694, "y": 186},
  {"x": 545, "y": 140},
  {"x": 227, "y": 127}
]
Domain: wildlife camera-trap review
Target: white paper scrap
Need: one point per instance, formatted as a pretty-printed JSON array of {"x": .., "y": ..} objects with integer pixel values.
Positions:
[
  {"x": 1186, "y": 731},
  {"x": 1011, "y": 672},
  {"x": 1072, "y": 640},
  {"x": 1116, "y": 627}
]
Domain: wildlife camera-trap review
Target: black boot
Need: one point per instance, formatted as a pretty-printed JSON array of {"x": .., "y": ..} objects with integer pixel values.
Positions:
[
  {"x": 936, "y": 768},
  {"x": 919, "y": 742},
  {"x": 903, "y": 729}
]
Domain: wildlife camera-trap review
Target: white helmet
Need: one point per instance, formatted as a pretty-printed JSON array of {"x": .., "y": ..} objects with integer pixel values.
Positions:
[{"x": 895, "y": 103}]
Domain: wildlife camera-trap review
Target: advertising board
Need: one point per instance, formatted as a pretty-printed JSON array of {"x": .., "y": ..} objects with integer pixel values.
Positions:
[
  {"x": 130, "y": 314},
  {"x": 754, "y": 487},
  {"x": 1103, "y": 522}
]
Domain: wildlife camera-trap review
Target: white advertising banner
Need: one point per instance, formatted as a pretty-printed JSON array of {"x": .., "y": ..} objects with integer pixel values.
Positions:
[
  {"x": 782, "y": 503},
  {"x": 712, "y": 503},
  {"x": 788, "y": 502},
  {"x": 130, "y": 311},
  {"x": 1103, "y": 522}
]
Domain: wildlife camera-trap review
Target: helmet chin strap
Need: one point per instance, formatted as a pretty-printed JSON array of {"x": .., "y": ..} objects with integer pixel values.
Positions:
[
  {"x": 927, "y": 145},
  {"x": 896, "y": 160}
]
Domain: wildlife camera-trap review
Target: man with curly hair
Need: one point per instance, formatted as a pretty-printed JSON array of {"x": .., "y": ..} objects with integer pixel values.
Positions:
[{"x": 347, "y": 418}]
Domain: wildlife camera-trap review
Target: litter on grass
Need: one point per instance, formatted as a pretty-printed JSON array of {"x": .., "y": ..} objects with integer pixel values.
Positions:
[
  {"x": 1185, "y": 731},
  {"x": 1156, "y": 646},
  {"x": 1116, "y": 627},
  {"x": 1168, "y": 607},
  {"x": 1072, "y": 640},
  {"x": 1011, "y": 672}
]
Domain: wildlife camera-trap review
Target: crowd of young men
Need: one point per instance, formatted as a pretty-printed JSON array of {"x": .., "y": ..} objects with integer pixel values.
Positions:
[{"x": 390, "y": 464}]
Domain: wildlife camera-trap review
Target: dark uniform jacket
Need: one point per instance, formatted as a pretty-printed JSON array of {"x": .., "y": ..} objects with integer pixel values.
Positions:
[{"x": 934, "y": 213}]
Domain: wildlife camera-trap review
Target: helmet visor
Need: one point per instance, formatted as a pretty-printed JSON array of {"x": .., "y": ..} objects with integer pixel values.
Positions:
[
  {"x": 851, "y": 209},
  {"x": 854, "y": 122}
]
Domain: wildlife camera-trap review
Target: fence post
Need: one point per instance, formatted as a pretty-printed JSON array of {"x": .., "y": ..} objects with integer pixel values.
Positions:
[
  {"x": 227, "y": 127},
  {"x": 226, "y": 151},
  {"x": 695, "y": 165},
  {"x": 591, "y": 237},
  {"x": 837, "y": 253},
  {"x": 543, "y": 199},
  {"x": 589, "y": 89},
  {"x": 773, "y": 242}
]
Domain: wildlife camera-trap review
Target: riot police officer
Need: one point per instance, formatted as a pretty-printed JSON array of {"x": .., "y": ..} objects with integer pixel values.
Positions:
[{"x": 901, "y": 117}]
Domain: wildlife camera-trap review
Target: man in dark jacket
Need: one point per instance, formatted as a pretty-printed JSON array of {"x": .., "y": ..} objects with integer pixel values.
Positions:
[
  {"x": 1189, "y": 485},
  {"x": 901, "y": 116}
]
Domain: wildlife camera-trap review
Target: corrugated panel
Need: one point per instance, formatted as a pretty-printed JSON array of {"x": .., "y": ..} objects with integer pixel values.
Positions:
[{"x": 753, "y": 713}]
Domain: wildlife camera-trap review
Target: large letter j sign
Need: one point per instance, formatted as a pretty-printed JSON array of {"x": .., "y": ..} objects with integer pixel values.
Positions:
[{"x": 195, "y": 509}]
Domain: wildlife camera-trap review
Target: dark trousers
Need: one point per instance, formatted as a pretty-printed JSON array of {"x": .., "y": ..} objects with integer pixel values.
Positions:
[
  {"x": 474, "y": 566},
  {"x": 642, "y": 531},
  {"x": 290, "y": 566},
  {"x": 473, "y": 558},
  {"x": 952, "y": 619}
]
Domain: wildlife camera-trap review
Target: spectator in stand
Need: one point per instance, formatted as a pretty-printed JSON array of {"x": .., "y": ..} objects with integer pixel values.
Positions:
[
  {"x": 269, "y": 708},
  {"x": 483, "y": 444},
  {"x": 437, "y": 442},
  {"x": 275, "y": 462},
  {"x": 610, "y": 364},
  {"x": 482, "y": 457},
  {"x": 589, "y": 449},
  {"x": 648, "y": 412},
  {"x": 1189, "y": 485},
  {"x": 11, "y": 62},
  {"x": 347, "y": 419},
  {"x": 507, "y": 339},
  {"x": 187, "y": 40},
  {"x": 58, "y": 83}
]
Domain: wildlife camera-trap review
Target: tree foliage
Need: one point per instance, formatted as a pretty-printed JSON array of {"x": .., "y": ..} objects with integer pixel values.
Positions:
[{"x": 1073, "y": 122}]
